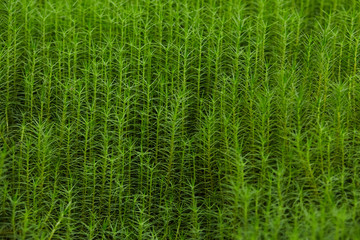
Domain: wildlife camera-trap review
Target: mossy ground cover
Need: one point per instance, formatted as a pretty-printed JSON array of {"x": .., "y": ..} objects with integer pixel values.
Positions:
[{"x": 179, "y": 119}]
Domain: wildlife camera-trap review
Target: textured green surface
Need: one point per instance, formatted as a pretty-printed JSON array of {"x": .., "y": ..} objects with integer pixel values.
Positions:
[{"x": 179, "y": 119}]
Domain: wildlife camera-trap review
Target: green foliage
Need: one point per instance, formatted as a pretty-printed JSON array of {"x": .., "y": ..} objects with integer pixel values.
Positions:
[{"x": 184, "y": 119}]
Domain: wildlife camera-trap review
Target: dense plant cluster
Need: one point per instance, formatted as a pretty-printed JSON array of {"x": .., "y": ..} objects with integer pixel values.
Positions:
[{"x": 179, "y": 119}]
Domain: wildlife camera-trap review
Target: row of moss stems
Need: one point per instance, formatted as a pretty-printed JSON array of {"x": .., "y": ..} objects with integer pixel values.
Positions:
[
  {"x": 218, "y": 66},
  {"x": 149, "y": 96},
  {"x": 83, "y": 131},
  {"x": 195, "y": 218},
  {"x": 196, "y": 226},
  {"x": 288, "y": 32},
  {"x": 159, "y": 111},
  {"x": 352, "y": 105},
  {"x": 124, "y": 104},
  {"x": 89, "y": 119},
  {"x": 9, "y": 42},
  {"x": 351, "y": 118},
  {"x": 28, "y": 88},
  {"x": 72, "y": 76},
  {"x": 12, "y": 41},
  {"x": 61, "y": 89},
  {"x": 171, "y": 111}
]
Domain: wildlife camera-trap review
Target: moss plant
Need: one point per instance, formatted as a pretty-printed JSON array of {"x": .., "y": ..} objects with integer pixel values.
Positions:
[{"x": 182, "y": 119}]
